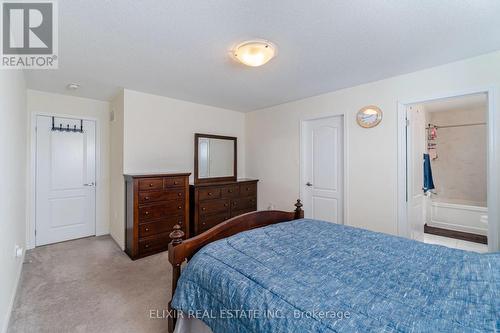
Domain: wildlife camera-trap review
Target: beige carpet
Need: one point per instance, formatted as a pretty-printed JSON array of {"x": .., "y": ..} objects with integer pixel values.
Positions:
[{"x": 90, "y": 285}]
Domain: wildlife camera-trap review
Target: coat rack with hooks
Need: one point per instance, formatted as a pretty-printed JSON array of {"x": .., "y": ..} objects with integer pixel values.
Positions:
[{"x": 61, "y": 128}]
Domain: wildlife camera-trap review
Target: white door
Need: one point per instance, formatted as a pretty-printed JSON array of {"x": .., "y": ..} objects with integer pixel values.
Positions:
[
  {"x": 416, "y": 141},
  {"x": 323, "y": 164},
  {"x": 65, "y": 180}
]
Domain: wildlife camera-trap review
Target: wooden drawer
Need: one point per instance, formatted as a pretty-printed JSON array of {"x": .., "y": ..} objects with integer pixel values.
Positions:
[
  {"x": 154, "y": 243},
  {"x": 214, "y": 206},
  {"x": 156, "y": 211},
  {"x": 150, "y": 184},
  {"x": 244, "y": 203},
  {"x": 152, "y": 196},
  {"x": 241, "y": 211},
  {"x": 154, "y": 204},
  {"x": 230, "y": 191},
  {"x": 209, "y": 221},
  {"x": 159, "y": 226},
  {"x": 248, "y": 189},
  {"x": 209, "y": 193},
  {"x": 206, "y": 210},
  {"x": 173, "y": 182}
]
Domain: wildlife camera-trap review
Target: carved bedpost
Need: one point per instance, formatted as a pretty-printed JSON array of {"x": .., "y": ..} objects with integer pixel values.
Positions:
[
  {"x": 176, "y": 236},
  {"x": 299, "y": 213}
]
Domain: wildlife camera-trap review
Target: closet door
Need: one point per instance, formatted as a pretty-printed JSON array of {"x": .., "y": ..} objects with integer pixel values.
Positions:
[
  {"x": 323, "y": 174},
  {"x": 65, "y": 180}
]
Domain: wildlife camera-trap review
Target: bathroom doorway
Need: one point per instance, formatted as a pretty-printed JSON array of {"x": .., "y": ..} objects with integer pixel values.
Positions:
[{"x": 446, "y": 171}]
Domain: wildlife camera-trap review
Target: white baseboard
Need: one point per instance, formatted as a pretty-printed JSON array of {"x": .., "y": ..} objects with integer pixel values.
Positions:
[{"x": 13, "y": 297}]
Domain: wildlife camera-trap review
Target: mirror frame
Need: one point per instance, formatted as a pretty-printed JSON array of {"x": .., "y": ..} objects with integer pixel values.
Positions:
[{"x": 197, "y": 180}]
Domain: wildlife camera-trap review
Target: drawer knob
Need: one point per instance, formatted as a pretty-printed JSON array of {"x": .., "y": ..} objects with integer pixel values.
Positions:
[
  {"x": 147, "y": 229},
  {"x": 150, "y": 184},
  {"x": 230, "y": 191},
  {"x": 146, "y": 198},
  {"x": 176, "y": 182},
  {"x": 146, "y": 246},
  {"x": 209, "y": 193},
  {"x": 146, "y": 213},
  {"x": 203, "y": 208},
  {"x": 179, "y": 194},
  {"x": 180, "y": 207},
  {"x": 225, "y": 205}
]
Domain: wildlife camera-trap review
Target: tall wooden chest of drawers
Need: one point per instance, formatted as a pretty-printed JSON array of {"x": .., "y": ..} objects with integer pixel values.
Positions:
[
  {"x": 154, "y": 204},
  {"x": 213, "y": 203}
]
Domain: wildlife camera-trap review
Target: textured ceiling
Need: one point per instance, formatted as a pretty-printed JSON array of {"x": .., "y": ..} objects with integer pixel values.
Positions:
[{"x": 180, "y": 48}]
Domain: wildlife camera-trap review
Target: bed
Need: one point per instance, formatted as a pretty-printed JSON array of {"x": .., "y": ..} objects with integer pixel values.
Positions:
[{"x": 277, "y": 272}]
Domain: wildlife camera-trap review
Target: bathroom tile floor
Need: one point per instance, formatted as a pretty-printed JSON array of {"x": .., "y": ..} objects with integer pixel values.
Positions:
[{"x": 455, "y": 243}]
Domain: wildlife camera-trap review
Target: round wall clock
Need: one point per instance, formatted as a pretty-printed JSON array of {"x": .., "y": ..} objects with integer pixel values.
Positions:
[{"x": 369, "y": 116}]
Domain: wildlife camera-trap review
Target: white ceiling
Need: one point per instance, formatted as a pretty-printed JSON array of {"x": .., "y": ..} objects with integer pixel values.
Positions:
[
  {"x": 466, "y": 102},
  {"x": 179, "y": 48}
]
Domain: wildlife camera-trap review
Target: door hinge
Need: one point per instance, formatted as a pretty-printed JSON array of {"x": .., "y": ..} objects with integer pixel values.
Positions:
[
  {"x": 407, "y": 122},
  {"x": 35, "y": 232}
]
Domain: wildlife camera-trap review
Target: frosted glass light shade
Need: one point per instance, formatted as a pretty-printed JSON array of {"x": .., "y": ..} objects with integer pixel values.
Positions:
[{"x": 254, "y": 53}]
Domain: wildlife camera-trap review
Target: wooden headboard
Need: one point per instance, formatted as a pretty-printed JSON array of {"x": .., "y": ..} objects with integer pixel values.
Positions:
[{"x": 180, "y": 250}]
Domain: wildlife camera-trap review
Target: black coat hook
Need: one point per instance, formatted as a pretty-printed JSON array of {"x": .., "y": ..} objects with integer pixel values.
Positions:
[{"x": 67, "y": 128}]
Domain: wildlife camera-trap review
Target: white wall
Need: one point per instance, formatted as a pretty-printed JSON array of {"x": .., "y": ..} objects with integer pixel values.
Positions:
[
  {"x": 13, "y": 152},
  {"x": 159, "y": 132},
  {"x": 117, "y": 189},
  {"x": 273, "y": 138},
  {"x": 48, "y": 103},
  {"x": 156, "y": 134}
]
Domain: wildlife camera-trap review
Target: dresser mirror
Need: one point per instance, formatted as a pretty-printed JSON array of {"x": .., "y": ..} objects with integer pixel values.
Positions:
[{"x": 215, "y": 158}]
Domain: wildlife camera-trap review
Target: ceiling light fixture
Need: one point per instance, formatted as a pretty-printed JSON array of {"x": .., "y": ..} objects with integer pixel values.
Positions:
[
  {"x": 73, "y": 86},
  {"x": 254, "y": 53}
]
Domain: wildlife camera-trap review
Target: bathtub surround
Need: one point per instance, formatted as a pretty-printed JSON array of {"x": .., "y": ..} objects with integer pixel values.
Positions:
[
  {"x": 457, "y": 137},
  {"x": 460, "y": 169}
]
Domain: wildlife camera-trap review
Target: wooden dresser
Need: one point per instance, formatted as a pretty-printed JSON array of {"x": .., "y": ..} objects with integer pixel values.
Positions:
[
  {"x": 213, "y": 203},
  {"x": 154, "y": 204}
]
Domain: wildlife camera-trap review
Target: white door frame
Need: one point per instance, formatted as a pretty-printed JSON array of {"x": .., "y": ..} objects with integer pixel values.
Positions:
[
  {"x": 31, "y": 223},
  {"x": 492, "y": 169},
  {"x": 303, "y": 152}
]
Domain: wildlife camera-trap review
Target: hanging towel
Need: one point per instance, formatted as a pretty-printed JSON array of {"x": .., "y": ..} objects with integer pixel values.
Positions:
[{"x": 428, "y": 182}]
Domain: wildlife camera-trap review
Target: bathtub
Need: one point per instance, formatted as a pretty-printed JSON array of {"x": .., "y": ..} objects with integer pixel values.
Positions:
[{"x": 465, "y": 216}]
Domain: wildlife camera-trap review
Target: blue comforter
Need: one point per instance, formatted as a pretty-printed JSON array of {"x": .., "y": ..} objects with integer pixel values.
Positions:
[{"x": 314, "y": 276}]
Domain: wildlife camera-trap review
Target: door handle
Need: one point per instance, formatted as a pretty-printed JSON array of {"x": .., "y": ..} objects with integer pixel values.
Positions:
[
  {"x": 89, "y": 184},
  {"x": 309, "y": 184}
]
